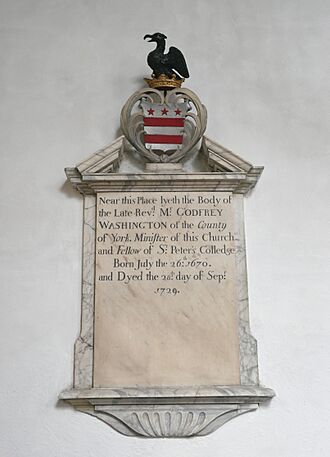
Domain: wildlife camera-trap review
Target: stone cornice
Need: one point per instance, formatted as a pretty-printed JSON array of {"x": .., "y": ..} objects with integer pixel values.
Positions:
[{"x": 240, "y": 183}]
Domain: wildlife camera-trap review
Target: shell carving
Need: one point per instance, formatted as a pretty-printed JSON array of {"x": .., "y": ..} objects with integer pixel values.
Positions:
[{"x": 162, "y": 422}]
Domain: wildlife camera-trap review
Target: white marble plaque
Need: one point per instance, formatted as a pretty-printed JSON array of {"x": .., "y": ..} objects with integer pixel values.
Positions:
[
  {"x": 165, "y": 296},
  {"x": 165, "y": 347}
]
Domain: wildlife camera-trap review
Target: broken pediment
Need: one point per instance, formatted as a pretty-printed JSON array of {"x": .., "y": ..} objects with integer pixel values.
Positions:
[{"x": 231, "y": 171}]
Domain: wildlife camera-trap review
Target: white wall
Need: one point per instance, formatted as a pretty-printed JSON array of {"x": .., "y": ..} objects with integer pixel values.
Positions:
[{"x": 262, "y": 69}]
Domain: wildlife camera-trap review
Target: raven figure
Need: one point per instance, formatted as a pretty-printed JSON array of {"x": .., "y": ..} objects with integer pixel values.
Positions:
[{"x": 172, "y": 63}]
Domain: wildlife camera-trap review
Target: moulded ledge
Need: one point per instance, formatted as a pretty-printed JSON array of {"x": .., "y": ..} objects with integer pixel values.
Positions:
[{"x": 167, "y": 412}]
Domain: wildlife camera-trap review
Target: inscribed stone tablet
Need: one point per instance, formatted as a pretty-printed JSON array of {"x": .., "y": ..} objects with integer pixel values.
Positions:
[{"x": 165, "y": 290}]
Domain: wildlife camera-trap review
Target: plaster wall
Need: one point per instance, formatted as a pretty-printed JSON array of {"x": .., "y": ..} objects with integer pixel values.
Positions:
[{"x": 262, "y": 69}]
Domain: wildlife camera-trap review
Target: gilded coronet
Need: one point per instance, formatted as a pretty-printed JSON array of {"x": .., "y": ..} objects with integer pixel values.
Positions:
[{"x": 163, "y": 82}]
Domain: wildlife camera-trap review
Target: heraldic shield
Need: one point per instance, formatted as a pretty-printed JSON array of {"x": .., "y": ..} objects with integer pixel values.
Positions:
[{"x": 163, "y": 125}]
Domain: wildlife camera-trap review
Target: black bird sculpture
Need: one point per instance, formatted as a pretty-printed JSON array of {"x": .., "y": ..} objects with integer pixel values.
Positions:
[{"x": 172, "y": 63}]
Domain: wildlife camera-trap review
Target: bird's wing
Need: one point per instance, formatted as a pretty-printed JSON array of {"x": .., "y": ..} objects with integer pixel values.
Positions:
[{"x": 177, "y": 61}]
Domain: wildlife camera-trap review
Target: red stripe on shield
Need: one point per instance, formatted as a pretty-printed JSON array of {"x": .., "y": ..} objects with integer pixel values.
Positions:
[
  {"x": 163, "y": 139},
  {"x": 163, "y": 122}
]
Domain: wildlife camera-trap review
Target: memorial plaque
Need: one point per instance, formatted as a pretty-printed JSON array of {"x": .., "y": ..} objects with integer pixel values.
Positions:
[
  {"x": 165, "y": 292},
  {"x": 165, "y": 348}
]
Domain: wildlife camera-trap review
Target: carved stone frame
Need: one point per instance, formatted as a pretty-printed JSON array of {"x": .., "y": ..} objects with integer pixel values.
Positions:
[{"x": 164, "y": 411}]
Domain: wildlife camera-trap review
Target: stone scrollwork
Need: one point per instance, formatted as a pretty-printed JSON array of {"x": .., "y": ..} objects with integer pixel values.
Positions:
[{"x": 132, "y": 123}]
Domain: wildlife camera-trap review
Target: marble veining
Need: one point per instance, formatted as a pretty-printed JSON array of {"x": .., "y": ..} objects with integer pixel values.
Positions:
[
  {"x": 248, "y": 344},
  {"x": 83, "y": 371},
  {"x": 185, "y": 394}
]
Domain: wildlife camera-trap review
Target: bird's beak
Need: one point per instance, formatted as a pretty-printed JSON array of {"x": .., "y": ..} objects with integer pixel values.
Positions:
[{"x": 148, "y": 36}]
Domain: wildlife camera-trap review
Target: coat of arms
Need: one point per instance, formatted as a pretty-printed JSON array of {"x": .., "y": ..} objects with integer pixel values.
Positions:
[
  {"x": 163, "y": 125},
  {"x": 163, "y": 122}
]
